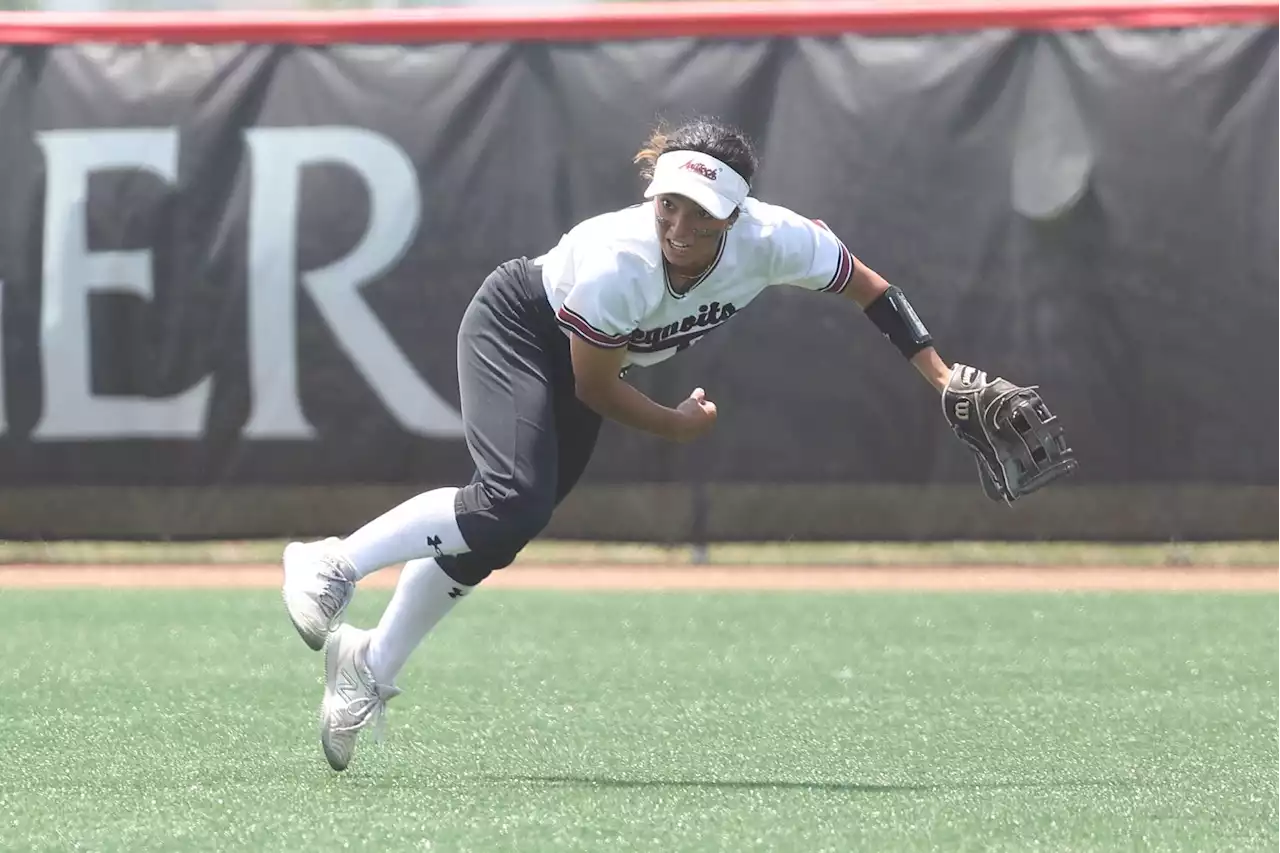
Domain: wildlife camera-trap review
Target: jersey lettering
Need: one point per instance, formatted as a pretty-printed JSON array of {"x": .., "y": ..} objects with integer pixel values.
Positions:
[{"x": 606, "y": 279}]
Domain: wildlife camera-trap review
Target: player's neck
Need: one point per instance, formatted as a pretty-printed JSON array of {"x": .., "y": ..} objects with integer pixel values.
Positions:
[
  {"x": 682, "y": 277},
  {"x": 683, "y": 280}
]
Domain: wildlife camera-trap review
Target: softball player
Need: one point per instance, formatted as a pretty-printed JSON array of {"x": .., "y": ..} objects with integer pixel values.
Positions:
[{"x": 543, "y": 349}]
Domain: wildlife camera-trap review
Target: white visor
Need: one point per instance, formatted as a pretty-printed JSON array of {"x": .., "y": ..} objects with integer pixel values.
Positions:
[{"x": 709, "y": 183}]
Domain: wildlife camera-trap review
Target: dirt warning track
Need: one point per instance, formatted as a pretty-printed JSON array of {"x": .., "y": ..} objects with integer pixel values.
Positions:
[{"x": 712, "y": 577}]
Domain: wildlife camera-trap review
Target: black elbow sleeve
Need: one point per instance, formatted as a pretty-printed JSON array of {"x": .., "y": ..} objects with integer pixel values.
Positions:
[{"x": 897, "y": 320}]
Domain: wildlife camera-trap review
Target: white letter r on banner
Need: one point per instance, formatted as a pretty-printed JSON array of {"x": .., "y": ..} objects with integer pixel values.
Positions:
[{"x": 278, "y": 156}]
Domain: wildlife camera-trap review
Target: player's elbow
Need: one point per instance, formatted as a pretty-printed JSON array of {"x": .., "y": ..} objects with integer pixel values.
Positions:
[
  {"x": 593, "y": 391},
  {"x": 865, "y": 285}
]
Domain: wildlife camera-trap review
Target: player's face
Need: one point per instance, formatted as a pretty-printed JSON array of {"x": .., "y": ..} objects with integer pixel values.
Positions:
[{"x": 689, "y": 235}]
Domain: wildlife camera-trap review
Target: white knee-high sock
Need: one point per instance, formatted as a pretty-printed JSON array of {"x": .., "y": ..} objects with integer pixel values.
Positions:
[
  {"x": 424, "y": 595},
  {"x": 423, "y": 526}
]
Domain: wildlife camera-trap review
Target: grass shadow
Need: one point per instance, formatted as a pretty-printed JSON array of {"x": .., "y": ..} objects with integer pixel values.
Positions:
[{"x": 779, "y": 785}]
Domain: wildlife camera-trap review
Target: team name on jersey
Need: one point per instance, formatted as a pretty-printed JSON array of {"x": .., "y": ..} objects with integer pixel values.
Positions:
[
  {"x": 606, "y": 278},
  {"x": 681, "y": 332}
]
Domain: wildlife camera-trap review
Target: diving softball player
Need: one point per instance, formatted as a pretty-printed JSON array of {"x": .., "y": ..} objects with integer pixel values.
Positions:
[{"x": 543, "y": 351}]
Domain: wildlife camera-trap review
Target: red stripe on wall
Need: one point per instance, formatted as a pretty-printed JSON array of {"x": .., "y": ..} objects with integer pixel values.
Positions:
[{"x": 621, "y": 21}]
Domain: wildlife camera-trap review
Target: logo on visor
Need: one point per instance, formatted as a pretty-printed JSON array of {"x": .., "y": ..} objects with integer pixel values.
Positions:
[{"x": 702, "y": 169}]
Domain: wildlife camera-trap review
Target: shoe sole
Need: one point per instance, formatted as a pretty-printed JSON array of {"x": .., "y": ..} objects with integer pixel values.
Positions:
[
  {"x": 330, "y": 677},
  {"x": 314, "y": 641}
]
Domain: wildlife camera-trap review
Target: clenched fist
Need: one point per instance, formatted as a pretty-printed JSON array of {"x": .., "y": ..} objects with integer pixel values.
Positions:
[{"x": 698, "y": 416}]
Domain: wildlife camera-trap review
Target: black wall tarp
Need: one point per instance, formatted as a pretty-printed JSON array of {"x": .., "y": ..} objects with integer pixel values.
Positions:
[{"x": 243, "y": 265}]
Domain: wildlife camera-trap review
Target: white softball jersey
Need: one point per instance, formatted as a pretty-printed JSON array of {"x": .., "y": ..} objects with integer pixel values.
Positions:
[{"x": 607, "y": 282}]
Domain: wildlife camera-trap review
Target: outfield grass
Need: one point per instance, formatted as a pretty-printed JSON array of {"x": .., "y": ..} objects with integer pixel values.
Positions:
[{"x": 551, "y": 721}]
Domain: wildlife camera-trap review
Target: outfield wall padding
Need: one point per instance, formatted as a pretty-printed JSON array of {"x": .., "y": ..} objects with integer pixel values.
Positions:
[{"x": 231, "y": 264}]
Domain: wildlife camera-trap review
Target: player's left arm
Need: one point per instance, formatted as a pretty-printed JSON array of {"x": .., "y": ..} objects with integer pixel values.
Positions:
[
  {"x": 1018, "y": 443},
  {"x": 810, "y": 255},
  {"x": 887, "y": 307}
]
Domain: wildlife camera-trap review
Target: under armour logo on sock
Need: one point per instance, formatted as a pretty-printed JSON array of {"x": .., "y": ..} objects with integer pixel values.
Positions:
[
  {"x": 456, "y": 592},
  {"x": 434, "y": 542}
]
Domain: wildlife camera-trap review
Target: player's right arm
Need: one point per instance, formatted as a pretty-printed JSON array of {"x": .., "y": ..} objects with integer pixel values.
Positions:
[
  {"x": 598, "y": 385},
  {"x": 604, "y": 306}
]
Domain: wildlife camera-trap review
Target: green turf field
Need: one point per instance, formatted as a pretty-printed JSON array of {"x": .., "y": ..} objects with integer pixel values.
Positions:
[{"x": 553, "y": 721}]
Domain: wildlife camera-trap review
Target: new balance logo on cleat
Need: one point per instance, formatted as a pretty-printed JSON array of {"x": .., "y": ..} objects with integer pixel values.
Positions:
[{"x": 347, "y": 686}]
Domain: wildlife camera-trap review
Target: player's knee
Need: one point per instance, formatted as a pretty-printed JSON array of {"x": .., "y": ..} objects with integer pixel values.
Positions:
[
  {"x": 504, "y": 521},
  {"x": 523, "y": 517},
  {"x": 471, "y": 568}
]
